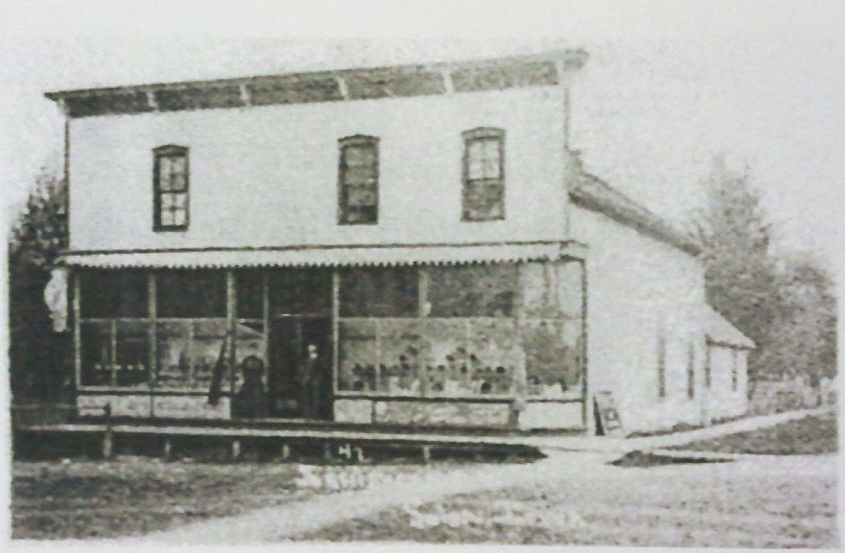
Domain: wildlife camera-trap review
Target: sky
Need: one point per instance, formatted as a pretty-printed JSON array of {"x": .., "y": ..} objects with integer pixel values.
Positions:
[{"x": 668, "y": 84}]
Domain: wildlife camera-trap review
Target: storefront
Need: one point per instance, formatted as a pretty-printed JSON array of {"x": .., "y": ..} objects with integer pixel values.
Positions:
[{"x": 489, "y": 344}]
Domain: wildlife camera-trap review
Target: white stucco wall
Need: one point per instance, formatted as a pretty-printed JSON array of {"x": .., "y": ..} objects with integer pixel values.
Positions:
[
  {"x": 638, "y": 287},
  {"x": 267, "y": 176},
  {"x": 723, "y": 400}
]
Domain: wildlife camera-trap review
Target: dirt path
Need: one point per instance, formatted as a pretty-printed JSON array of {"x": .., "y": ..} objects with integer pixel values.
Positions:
[
  {"x": 277, "y": 523},
  {"x": 577, "y": 469}
]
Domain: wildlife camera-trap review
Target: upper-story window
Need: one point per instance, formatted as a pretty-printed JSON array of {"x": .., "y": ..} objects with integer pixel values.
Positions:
[
  {"x": 170, "y": 188},
  {"x": 358, "y": 180},
  {"x": 484, "y": 175}
]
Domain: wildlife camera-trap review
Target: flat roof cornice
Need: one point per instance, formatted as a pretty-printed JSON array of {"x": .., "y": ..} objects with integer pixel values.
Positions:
[{"x": 325, "y": 86}]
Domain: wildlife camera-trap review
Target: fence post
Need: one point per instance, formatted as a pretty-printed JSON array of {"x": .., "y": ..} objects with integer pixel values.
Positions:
[
  {"x": 168, "y": 449},
  {"x": 107, "y": 435}
]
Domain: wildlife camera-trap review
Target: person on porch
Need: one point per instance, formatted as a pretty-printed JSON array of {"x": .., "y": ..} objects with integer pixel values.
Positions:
[{"x": 310, "y": 381}]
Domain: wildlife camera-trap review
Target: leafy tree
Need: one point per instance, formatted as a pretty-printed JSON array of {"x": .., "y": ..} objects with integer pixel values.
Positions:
[
  {"x": 785, "y": 304},
  {"x": 38, "y": 356}
]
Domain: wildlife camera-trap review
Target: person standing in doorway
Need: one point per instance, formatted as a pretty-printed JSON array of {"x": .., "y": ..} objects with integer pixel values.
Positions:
[{"x": 310, "y": 380}]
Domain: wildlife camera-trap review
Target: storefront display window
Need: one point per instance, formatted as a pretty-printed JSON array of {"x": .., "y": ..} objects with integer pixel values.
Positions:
[
  {"x": 382, "y": 292},
  {"x": 472, "y": 290},
  {"x": 191, "y": 294},
  {"x": 95, "y": 354},
  {"x": 132, "y": 354}
]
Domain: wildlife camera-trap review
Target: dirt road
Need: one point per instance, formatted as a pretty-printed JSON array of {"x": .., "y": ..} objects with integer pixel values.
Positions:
[{"x": 579, "y": 498}]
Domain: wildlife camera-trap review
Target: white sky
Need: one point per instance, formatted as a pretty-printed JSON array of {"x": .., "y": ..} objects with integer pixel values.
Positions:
[{"x": 667, "y": 85}]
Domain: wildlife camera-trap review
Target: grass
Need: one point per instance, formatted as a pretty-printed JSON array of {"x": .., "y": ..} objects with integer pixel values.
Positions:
[
  {"x": 812, "y": 435},
  {"x": 83, "y": 498},
  {"x": 89, "y": 499}
]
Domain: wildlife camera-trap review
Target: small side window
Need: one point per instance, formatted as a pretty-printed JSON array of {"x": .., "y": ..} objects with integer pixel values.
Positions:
[{"x": 170, "y": 188}]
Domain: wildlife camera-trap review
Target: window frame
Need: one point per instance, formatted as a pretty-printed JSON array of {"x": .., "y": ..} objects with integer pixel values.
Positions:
[
  {"x": 469, "y": 137},
  {"x": 342, "y": 192},
  {"x": 170, "y": 151}
]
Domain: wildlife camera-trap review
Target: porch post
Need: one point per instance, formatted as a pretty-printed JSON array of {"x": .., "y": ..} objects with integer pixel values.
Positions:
[
  {"x": 265, "y": 313},
  {"x": 152, "y": 314},
  {"x": 231, "y": 325},
  {"x": 77, "y": 337},
  {"x": 585, "y": 410},
  {"x": 335, "y": 328}
]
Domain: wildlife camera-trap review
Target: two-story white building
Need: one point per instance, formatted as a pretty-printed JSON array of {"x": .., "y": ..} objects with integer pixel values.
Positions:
[{"x": 410, "y": 245}]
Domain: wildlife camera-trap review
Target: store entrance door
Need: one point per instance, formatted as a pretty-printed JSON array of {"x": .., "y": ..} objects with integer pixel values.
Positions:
[{"x": 299, "y": 376}]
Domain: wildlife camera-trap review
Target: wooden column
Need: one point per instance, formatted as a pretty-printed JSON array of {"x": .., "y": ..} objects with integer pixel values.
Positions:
[
  {"x": 265, "y": 314},
  {"x": 152, "y": 314},
  {"x": 230, "y": 317},
  {"x": 335, "y": 327},
  {"x": 108, "y": 439},
  {"x": 113, "y": 347},
  {"x": 584, "y": 372},
  {"x": 422, "y": 291},
  {"x": 77, "y": 337}
]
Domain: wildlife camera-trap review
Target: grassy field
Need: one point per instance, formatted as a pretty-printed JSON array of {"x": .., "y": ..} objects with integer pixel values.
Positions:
[
  {"x": 130, "y": 496},
  {"x": 82, "y": 499},
  {"x": 808, "y": 436}
]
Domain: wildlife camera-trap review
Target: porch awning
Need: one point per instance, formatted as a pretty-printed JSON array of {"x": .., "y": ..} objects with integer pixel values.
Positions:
[
  {"x": 327, "y": 256},
  {"x": 720, "y": 331}
]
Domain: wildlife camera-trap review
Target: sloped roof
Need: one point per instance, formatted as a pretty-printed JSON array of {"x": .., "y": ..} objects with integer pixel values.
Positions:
[
  {"x": 328, "y": 256},
  {"x": 591, "y": 192},
  {"x": 720, "y": 331}
]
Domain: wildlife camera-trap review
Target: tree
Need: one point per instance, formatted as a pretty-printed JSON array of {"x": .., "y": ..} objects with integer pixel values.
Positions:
[
  {"x": 37, "y": 355},
  {"x": 784, "y": 303}
]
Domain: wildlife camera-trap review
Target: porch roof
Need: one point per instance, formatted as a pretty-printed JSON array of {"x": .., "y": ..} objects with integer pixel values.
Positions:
[
  {"x": 720, "y": 331},
  {"x": 328, "y": 255}
]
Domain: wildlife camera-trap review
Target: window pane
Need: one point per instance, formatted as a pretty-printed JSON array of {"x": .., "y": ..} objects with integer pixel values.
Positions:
[
  {"x": 360, "y": 155},
  {"x": 472, "y": 291},
  {"x": 491, "y": 148},
  {"x": 168, "y": 219},
  {"x": 165, "y": 169},
  {"x": 191, "y": 293},
  {"x": 249, "y": 287},
  {"x": 360, "y": 214},
  {"x": 178, "y": 166},
  {"x": 553, "y": 357},
  {"x": 95, "y": 352},
  {"x": 475, "y": 169},
  {"x": 359, "y": 175},
  {"x": 357, "y": 356},
  {"x": 250, "y": 339},
  {"x": 173, "y": 201},
  {"x": 491, "y": 169},
  {"x": 552, "y": 290},
  {"x": 108, "y": 294},
  {"x": 494, "y": 354},
  {"x": 300, "y": 291},
  {"x": 133, "y": 354},
  {"x": 379, "y": 293},
  {"x": 483, "y": 201},
  {"x": 209, "y": 337},
  {"x": 173, "y": 364},
  {"x": 476, "y": 150},
  {"x": 180, "y": 218},
  {"x": 360, "y": 196}
]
